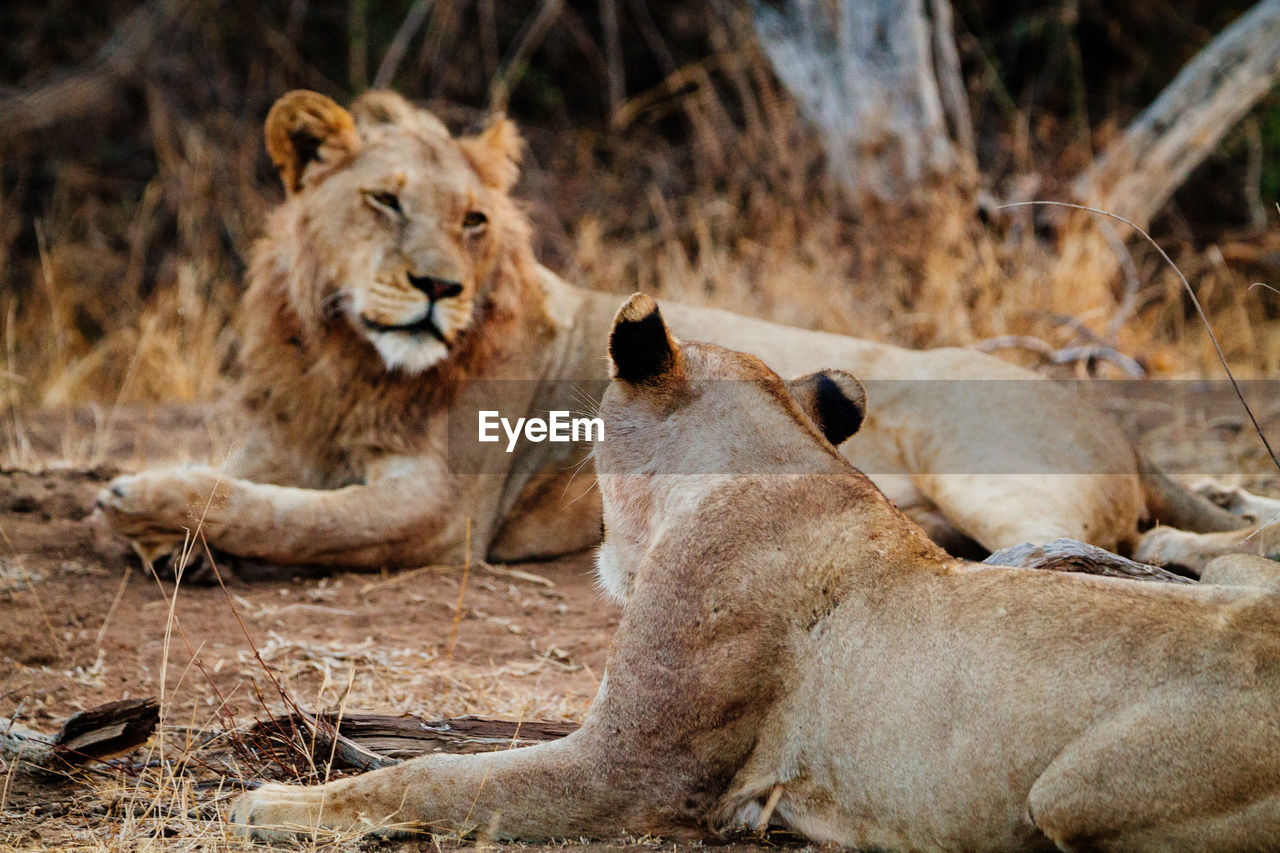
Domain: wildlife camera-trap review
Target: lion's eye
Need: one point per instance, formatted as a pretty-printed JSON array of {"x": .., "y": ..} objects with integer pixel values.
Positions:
[
  {"x": 474, "y": 219},
  {"x": 388, "y": 200}
]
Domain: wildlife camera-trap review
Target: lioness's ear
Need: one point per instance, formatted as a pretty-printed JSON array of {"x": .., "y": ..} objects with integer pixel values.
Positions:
[
  {"x": 834, "y": 400},
  {"x": 308, "y": 134},
  {"x": 640, "y": 345},
  {"x": 495, "y": 153}
]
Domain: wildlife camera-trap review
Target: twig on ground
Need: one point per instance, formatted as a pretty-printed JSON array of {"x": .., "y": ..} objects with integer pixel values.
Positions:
[
  {"x": 516, "y": 574},
  {"x": 1066, "y": 355},
  {"x": 462, "y": 590}
]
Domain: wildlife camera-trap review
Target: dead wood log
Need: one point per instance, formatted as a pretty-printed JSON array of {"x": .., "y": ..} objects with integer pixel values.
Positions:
[
  {"x": 1138, "y": 172},
  {"x": 1068, "y": 555},
  {"x": 90, "y": 735},
  {"x": 369, "y": 741}
]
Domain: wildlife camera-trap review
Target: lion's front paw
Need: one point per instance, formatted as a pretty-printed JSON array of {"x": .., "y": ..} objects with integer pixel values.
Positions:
[{"x": 158, "y": 503}]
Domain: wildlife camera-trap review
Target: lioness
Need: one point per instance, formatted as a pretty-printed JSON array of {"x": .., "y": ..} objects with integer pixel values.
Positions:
[
  {"x": 399, "y": 270},
  {"x": 792, "y": 648}
]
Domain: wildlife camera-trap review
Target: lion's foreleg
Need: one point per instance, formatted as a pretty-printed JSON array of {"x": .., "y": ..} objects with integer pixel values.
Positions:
[
  {"x": 402, "y": 520},
  {"x": 363, "y": 526}
]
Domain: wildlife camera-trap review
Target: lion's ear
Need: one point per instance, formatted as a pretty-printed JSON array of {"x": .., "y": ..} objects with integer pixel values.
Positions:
[
  {"x": 834, "y": 400},
  {"x": 495, "y": 153},
  {"x": 308, "y": 135},
  {"x": 382, "y": 106},
  {"x": 640, "y": 345}
]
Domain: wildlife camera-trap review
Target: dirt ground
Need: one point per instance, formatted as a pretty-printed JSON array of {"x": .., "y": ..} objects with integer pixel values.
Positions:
[{"x": 81, "y": 623}]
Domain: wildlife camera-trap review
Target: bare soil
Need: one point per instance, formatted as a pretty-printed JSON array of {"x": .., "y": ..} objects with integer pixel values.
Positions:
[{"x": 82, "y": 623}]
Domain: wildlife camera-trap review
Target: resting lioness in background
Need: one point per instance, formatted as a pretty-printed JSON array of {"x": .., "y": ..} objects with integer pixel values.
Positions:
[
  {"x": 398, "y": 274},
  {"x": 793, "y": 648}
]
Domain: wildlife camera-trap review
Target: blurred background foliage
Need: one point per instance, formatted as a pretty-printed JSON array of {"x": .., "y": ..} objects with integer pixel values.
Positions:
[{"x": 663, "y": 155}]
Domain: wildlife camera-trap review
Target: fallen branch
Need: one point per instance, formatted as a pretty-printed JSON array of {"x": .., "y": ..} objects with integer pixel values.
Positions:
[
  {"x": 90, "y": 735},
  {"x": 1068, "y": 555},
  {"x": 369, "y": 741}
]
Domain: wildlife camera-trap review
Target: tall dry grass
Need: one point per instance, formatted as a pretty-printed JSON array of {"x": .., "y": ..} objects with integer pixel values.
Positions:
[{"x": 706, "y": 186}]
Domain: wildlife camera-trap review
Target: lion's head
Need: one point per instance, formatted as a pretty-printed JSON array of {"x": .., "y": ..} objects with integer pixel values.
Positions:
[
  {"x": 680, "y": 418},
  {"x": 398, "y": 228}
]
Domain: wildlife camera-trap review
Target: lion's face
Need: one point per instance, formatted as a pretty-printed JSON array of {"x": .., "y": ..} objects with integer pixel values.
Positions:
[
  {"x": 406, "y": 211},
  {"x": 416, "y": 219}
]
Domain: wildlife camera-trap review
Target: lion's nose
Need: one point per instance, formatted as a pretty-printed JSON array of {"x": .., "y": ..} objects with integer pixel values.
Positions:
[{"x": 435, "y": 288}]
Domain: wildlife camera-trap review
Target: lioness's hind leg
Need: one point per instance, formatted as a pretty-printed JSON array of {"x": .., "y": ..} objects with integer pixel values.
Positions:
[
  {"x": 1243, "y": 570},
  {"x": 1179, "y": 772}
]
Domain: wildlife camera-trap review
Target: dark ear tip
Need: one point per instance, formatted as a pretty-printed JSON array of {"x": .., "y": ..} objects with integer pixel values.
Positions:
[
  {"x": 835, "y": 400},
  {"x": 640, "y": 346}
]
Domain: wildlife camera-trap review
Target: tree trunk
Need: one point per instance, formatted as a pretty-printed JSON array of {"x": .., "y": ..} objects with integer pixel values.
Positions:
[
  {"x": 1138, "y": 172},
  {"x": 881, "y": 81}
]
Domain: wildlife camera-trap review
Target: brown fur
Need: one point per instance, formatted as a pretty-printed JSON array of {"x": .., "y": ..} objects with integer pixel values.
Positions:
[{"x": 795, "y": 640}]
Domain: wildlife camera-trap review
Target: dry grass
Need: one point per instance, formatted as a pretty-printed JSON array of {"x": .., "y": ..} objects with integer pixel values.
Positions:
[
  {"x": 222, "y": 658},
  {"x": 137, "y": 300}
]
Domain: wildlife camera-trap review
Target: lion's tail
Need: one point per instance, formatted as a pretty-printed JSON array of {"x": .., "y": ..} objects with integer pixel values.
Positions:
[{"x": 1172, "y": 504}]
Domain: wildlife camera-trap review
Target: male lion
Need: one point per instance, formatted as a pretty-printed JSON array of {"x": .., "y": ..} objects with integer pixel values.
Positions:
[
  {"x": 397, "y": 282},
  {"x": 792, "y": 648}
]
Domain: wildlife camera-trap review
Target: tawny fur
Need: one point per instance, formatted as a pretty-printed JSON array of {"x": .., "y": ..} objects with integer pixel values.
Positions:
[{"x": 795, "y": 640}]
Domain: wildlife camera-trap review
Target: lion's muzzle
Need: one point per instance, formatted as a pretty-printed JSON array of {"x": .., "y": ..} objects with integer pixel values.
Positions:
[{"x": 436, "y": 290}]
